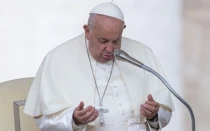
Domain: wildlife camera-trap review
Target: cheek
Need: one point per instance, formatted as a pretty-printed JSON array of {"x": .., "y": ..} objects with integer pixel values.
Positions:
[
  {"x": 96, "y": 48},
  {"x": 117, "y": 46},
  {"x": 100, "y": 49}
]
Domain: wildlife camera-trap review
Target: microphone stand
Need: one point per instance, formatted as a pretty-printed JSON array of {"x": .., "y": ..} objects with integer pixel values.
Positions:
[{"x": 121, "y": 55}]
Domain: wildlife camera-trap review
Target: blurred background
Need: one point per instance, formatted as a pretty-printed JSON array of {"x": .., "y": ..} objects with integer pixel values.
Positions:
[{"x": 178, "y": 32}]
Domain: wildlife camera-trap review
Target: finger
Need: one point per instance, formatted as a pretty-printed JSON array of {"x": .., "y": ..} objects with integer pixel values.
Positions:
[
  {"x": 143, "y": 113},
  {"x": 148, "y": 113},
  {"x": 79, "y": 115},
  {"x": 80, "y": 106},
  {"x": 77, "y": 109},
  {"x": 150, "y": 98},
  {"x": 88, "y": 114},
  {"x": 150, "y": 108},
  {"x": 84, "y": 111},
  {"x": 93, "y": 117},
  {"x": 153, "y": 103}
]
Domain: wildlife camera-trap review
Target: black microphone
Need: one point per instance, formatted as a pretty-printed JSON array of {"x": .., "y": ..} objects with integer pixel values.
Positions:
[{"x": 123, "y": 56}]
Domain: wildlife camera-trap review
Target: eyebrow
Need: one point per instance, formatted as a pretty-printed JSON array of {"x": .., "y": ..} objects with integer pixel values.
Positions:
[
  {"x": 117, "y": 39},
  {"x": 104, "y": 39}
]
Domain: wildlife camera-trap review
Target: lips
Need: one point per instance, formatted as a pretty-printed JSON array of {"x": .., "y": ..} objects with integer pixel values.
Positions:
[{"x": 108, "y": 56}]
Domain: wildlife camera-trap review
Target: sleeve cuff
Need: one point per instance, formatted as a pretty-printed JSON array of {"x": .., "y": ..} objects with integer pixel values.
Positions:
[
  {"x": 154, "y": 124},
  {"x": 74, "y": 126}
]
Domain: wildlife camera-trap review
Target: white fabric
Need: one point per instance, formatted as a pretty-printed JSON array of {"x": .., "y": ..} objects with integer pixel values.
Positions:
[
  {"x": 116, "y": 98},
  {"x": 119, "y": 115},
  {"x": 65, "y": 71},
  {"x": 62, "y": 121},
  {"x": 58, "y": 121},
  {"x": 108, "y": 9}
]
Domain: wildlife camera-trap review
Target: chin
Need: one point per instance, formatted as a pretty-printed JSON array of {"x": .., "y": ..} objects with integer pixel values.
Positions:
[{"x": 105, "y": 60}]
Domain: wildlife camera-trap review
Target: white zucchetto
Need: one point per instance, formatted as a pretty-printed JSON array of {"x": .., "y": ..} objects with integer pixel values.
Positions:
[{"x": 108, "y": 9}]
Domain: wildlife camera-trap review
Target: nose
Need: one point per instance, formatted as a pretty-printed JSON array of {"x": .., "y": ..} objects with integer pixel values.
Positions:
[{"x": 110, "y": 48}]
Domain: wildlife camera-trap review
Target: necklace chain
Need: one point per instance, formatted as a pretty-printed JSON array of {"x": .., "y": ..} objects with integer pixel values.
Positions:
[{"x": 100, "y": 98}]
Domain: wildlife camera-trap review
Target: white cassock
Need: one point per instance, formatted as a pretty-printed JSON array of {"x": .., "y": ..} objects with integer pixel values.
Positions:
[{"x": 64, "y": 79}]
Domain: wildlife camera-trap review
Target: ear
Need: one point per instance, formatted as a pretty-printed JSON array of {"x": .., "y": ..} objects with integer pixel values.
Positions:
[{"x": 87, "y": 31}]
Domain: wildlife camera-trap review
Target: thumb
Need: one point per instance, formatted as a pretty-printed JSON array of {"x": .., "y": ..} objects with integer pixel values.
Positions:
[
  {"x": 80, "y": 106},
  {"x": 150, "y": 98}
]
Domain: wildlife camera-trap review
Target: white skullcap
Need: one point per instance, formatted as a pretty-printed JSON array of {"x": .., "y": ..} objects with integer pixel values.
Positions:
[{"x": 108, "y": 9}]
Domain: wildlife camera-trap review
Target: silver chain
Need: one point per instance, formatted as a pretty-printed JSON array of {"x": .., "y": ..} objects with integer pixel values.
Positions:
[{"x": 100, "y": 98}]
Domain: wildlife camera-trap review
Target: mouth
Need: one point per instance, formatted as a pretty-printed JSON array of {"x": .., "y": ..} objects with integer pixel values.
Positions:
[{"x": 108, "y": 57}]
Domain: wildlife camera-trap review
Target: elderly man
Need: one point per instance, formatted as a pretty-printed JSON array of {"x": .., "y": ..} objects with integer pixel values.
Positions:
[{"x": 81, "y": 87}]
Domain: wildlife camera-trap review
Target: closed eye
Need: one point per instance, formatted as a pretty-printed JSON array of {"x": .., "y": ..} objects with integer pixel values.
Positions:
[
  {"x": 116, "y": 41},
  {"x": 102, "y": 41}
]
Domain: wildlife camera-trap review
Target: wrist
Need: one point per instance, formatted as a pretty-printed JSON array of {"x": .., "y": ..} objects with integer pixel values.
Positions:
[
  {"x": 153, "y": 119},
  {"x": 76, "y": 122},
  {"x": 77, "y": 125}
]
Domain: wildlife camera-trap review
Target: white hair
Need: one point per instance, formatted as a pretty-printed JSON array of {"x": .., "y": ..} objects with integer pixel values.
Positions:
[{"x": 92, "y": 20}]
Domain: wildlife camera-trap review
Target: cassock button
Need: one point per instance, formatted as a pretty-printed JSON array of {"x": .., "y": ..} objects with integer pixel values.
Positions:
[
  {"x": 106, "y": 111},
  {"x": 133, "y": 111},
  {"x": 119, "y": 104},
  {"x": 122, "y": 113}
]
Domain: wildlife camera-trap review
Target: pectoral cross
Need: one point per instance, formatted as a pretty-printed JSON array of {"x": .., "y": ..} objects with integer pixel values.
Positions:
[{"x": 101, "y": 111}]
